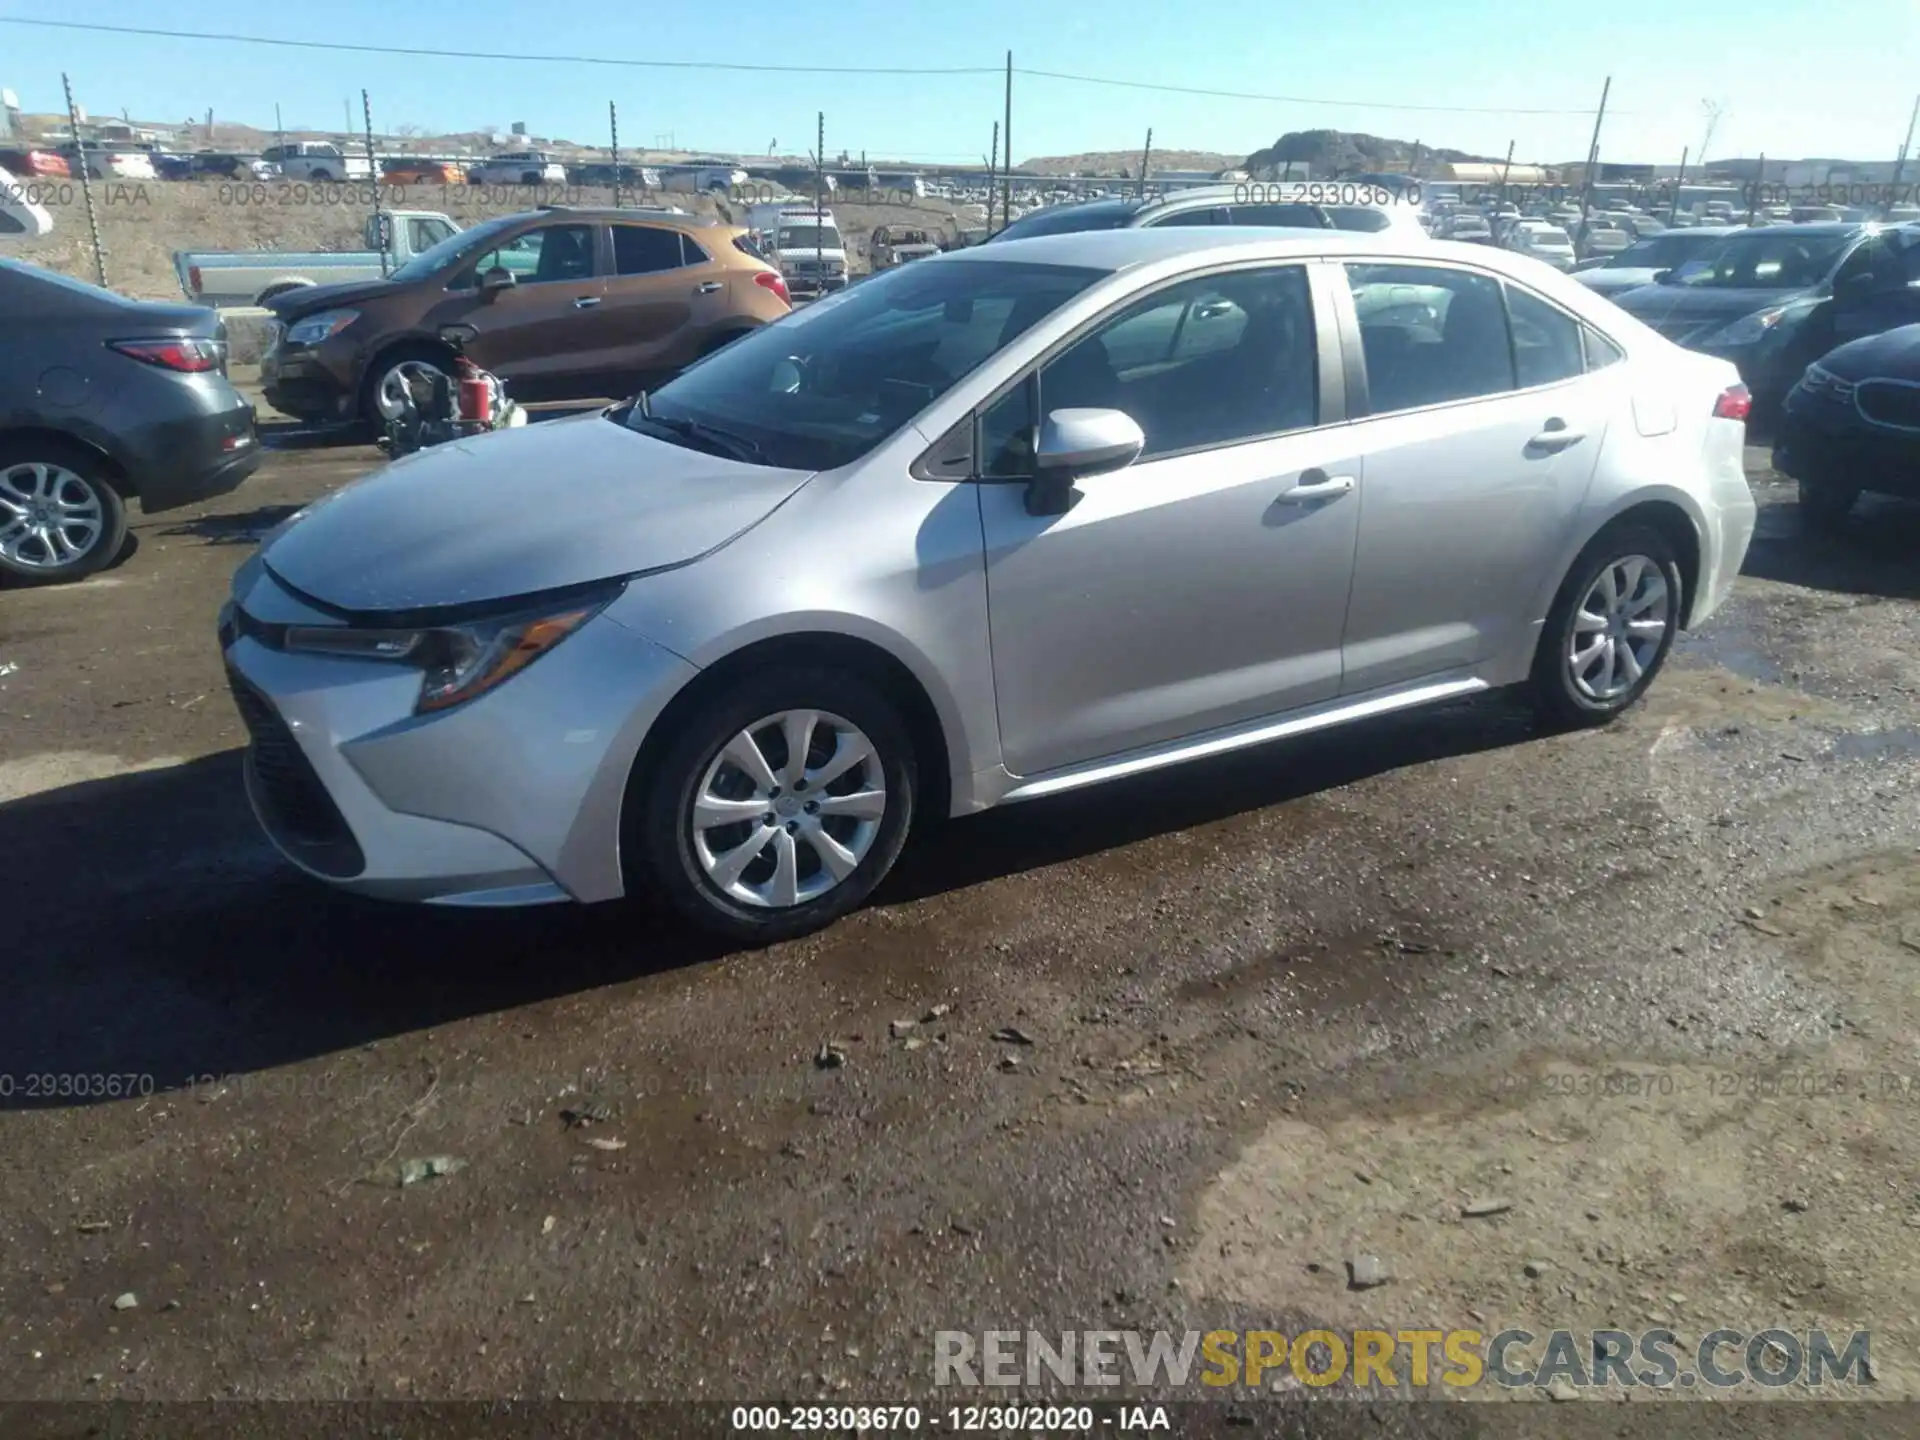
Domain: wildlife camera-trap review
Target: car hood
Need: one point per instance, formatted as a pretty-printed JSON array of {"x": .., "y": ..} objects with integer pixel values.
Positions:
[
  {"x": 312, "y": 299},
  {"x": 517, "y": 512},
  {"x": 1891, "y": 355},
  {"x": 1682, "y": 312},
  {"x": 1613, "y": 279}
]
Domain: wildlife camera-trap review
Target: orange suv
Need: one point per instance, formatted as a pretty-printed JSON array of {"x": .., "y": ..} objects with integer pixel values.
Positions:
[{"x": 562, "y": 304}]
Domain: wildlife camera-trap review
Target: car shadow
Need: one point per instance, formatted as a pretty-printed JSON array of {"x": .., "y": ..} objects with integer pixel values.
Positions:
[
  {"x": 242, "y": 527},
  {"x": 170, "y": 941},
  {"x": 1874, "y": 551}
]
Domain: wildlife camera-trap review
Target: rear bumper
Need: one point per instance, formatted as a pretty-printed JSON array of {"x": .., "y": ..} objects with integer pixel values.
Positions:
[{"x": 182, "y": 458}]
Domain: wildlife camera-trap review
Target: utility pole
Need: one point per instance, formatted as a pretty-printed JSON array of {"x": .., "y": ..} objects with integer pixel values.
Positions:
[
  {"x": 1679, "y": 181},
  {"x": 346, "y": 108},
  {"x": 993, "y": 177},
  {"x": 373, "y": 183},
  {"x": 1753, "y": 190},
  {"x": 613, "y": 136},
  {"x": 1146, "y": 159},
  {"x": 1006, "y": 131},
  {"x": 1593, "y": 158},
  {"x": 1900, "y": 164},
  {"x": 1505, "y": 171},
  {"x": 209, "y": 125},
  {"x": 279, "y": 130},
  {"x": 86, "y": 187},
  {"x": 1413, "y": 165},
  {"x": 819, "y": 196},
  {"x": 1715, "y": 109}
]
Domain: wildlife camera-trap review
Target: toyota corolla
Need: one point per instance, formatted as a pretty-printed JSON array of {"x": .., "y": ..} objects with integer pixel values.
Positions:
[{"x": 997, "y": 525}]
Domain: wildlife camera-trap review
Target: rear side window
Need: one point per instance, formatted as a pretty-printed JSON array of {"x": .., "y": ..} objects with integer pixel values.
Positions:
[
  {"x": 643, "y": 250},
  {"x": 1546, "y": 340},
  {"x": 1430, "y": 335},
  {"x": 1306, "y": 217},
  {"x": 1358, "y": 217},
  {"x": 1214, "y": 216},
  {"x": 691, "y": 253}
]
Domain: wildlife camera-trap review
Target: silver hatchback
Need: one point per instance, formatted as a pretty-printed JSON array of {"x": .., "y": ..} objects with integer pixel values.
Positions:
[{"x": 1000, "y": 524}]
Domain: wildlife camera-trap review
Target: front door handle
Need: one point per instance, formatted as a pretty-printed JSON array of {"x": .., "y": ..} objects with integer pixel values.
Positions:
[
  {"x": 708, "y": 288},
  {"x": 586, "y": 302},
  {"x": 1556, "y": 436},
  {"x": 1315, "y": 485}
]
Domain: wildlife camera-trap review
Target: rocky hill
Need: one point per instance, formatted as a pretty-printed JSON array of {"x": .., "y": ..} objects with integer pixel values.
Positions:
[
  {"x": 1334, "y": 152},
  {"x": 1112, "y": 162}
]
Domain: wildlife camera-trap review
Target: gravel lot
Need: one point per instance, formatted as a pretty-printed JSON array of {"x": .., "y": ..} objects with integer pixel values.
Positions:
[{"x": 1285, "y": 1009}]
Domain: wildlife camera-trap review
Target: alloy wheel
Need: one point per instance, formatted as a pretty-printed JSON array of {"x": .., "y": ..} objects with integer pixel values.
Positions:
[
  {"x": 1618, "y": 628},
  {"x": 408, "y": 384},
  {"x": 788, "y": 809},
  {"x": 50, "y": 517}
]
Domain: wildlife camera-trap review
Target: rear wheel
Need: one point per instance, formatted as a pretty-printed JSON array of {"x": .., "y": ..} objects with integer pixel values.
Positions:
[
  {"x": 1825, "y": 504},
  {"x": 778, "y": 806},
  {"x": 60, "y": 518},
  {"x": 1610, "y": 629}
]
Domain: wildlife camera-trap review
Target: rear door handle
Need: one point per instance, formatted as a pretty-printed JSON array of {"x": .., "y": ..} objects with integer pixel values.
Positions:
[
  {"x": 586, "y": 302},
  {"x": 708, "y": 288},
  {"x": 1556, "y": 436},
  {"x": 1316, "y": 484}
]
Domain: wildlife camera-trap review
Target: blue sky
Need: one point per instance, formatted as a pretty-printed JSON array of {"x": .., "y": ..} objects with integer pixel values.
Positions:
[{"x": 1794, "y": 79}]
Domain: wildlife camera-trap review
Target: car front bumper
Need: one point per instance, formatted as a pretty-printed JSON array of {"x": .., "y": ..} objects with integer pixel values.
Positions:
[
  {"x": 300, "y": 383},
  {"x": 513, "y": 798},
  {"x": 1824, "y": 440}
]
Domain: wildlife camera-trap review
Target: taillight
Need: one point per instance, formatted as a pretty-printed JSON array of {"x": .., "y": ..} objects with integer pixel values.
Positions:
[
  {"x": 1735, "y": 403},
  {"x": 191, "y": 356},
  {"x": 776, "y": 282}
]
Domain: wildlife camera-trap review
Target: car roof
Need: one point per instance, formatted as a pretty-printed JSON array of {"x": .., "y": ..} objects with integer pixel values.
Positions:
[
  {"x": 1115, "y": 250},
  {"x": 683, "y": 220},
  {"x": 1813, "y": 227}
]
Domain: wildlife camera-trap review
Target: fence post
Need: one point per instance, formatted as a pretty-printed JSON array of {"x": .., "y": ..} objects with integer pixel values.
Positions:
[
  {"x": 86, "y": 189},
  {"x": 613, "y": 134},
  {"x": 380, "y": 235}
]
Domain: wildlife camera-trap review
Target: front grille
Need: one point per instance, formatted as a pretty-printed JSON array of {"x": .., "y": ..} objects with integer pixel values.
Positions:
[
  {"x": 1889, "y": 402},
  {"x": 293, "y": 802}
]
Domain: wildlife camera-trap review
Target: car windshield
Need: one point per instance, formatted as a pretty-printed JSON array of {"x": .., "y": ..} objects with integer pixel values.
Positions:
[
  {"x": 1067, "y": 219},
  {"x": 823, "y": 386},
  {"x": 1762, "y": 261},
  {"x": 808, "y": 237},
  {"x": 430, "y": 262},
  {"x": 1664, "y": 251},
  {"x": 1550, "y": 235}
]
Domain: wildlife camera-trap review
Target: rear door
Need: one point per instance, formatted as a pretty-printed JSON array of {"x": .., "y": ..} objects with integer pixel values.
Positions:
[
  {"x": 529, "y": 332},
  {"x": 1479, "y": 428},
  {"x": 664, "y": 291}
]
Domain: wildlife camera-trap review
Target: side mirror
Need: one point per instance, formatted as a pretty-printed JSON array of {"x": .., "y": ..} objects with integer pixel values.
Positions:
[
  {"x": 1077, "y": 443},
  {"x": 1663, "y": 277},
  {"x": 493, "y": 281}
]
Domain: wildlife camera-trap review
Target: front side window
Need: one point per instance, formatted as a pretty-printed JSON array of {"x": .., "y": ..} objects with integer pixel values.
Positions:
[
  {"x": 644, "y": 250},
  {"x": 1757, "y": 260},
  {"x": 552, "y": 252},
  {"x": 826, "y": 384},
  {"x": 1206, "y": 362},
  {"x": 1430, "y": 335}
]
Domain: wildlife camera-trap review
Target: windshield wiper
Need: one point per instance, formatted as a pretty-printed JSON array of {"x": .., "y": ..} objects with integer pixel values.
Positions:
[{"x": 711, "y": 437}]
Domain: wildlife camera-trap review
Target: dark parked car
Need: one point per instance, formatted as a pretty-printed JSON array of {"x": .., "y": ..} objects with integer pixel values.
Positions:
[
  {"x": 1774, "y": 299},
  {"x": 1852, "y": 424},
  {"x": 107, "y": 400},
  {"x": 172, "y": 167}
]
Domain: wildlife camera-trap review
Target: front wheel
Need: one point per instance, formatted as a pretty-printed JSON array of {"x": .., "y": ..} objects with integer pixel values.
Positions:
[
  {"x": 1610, "y": 629},
  {"x": 778, "y": 806}
]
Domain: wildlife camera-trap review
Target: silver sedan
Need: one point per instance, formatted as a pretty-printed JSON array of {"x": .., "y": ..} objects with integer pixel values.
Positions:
[{"x": 1000, "y": 524}]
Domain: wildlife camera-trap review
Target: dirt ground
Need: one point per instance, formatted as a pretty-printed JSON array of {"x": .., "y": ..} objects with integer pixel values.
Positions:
[
  {"x": 1651, "y": 989},
  {"x": 143, "y": 224}
]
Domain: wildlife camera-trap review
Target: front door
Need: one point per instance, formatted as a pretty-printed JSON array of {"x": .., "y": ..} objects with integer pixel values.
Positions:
[
  {"x": 1191, "y": 590},
  {"x": 526, "y": 333},
  {"x": 1483, "y": 434}
]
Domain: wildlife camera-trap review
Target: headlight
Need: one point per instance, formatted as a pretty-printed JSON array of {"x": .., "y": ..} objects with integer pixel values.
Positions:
[
  {"x": 315, "y": 328},
  {"x": 460, "y": 661},
  {"x": 1747, "y": 329}
]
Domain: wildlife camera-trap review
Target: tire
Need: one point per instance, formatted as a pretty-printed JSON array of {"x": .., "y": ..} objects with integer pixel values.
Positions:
[
  {"x": 319, "y": 177},
  {"x": 384, "y": 365},
  {"x": 687, "y": 872},
  {"x": 1825, "y": 504},
  {"x": 38, "y": 474},
  {"x": 1573, "y": 695}
]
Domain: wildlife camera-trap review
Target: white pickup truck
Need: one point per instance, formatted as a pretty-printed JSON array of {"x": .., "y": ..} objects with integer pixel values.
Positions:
[
  {"x": 806, "y": 244},
  {"x": 520, "y": 167},
  {"x": 317, "y": 162},
  {"x": 252, "y": 277}
]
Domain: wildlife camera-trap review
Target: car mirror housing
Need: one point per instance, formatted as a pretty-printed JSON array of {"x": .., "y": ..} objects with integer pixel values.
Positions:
[
  {"x": 1074, "y": 444},
  {"x": 493, "y": 281}
]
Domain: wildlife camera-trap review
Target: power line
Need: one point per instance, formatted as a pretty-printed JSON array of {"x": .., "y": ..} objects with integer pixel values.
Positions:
[
  {"x": 1295, "y": 99},
  {"x": 151, "y": 32},
  {"x": 704, "y": 65}
]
